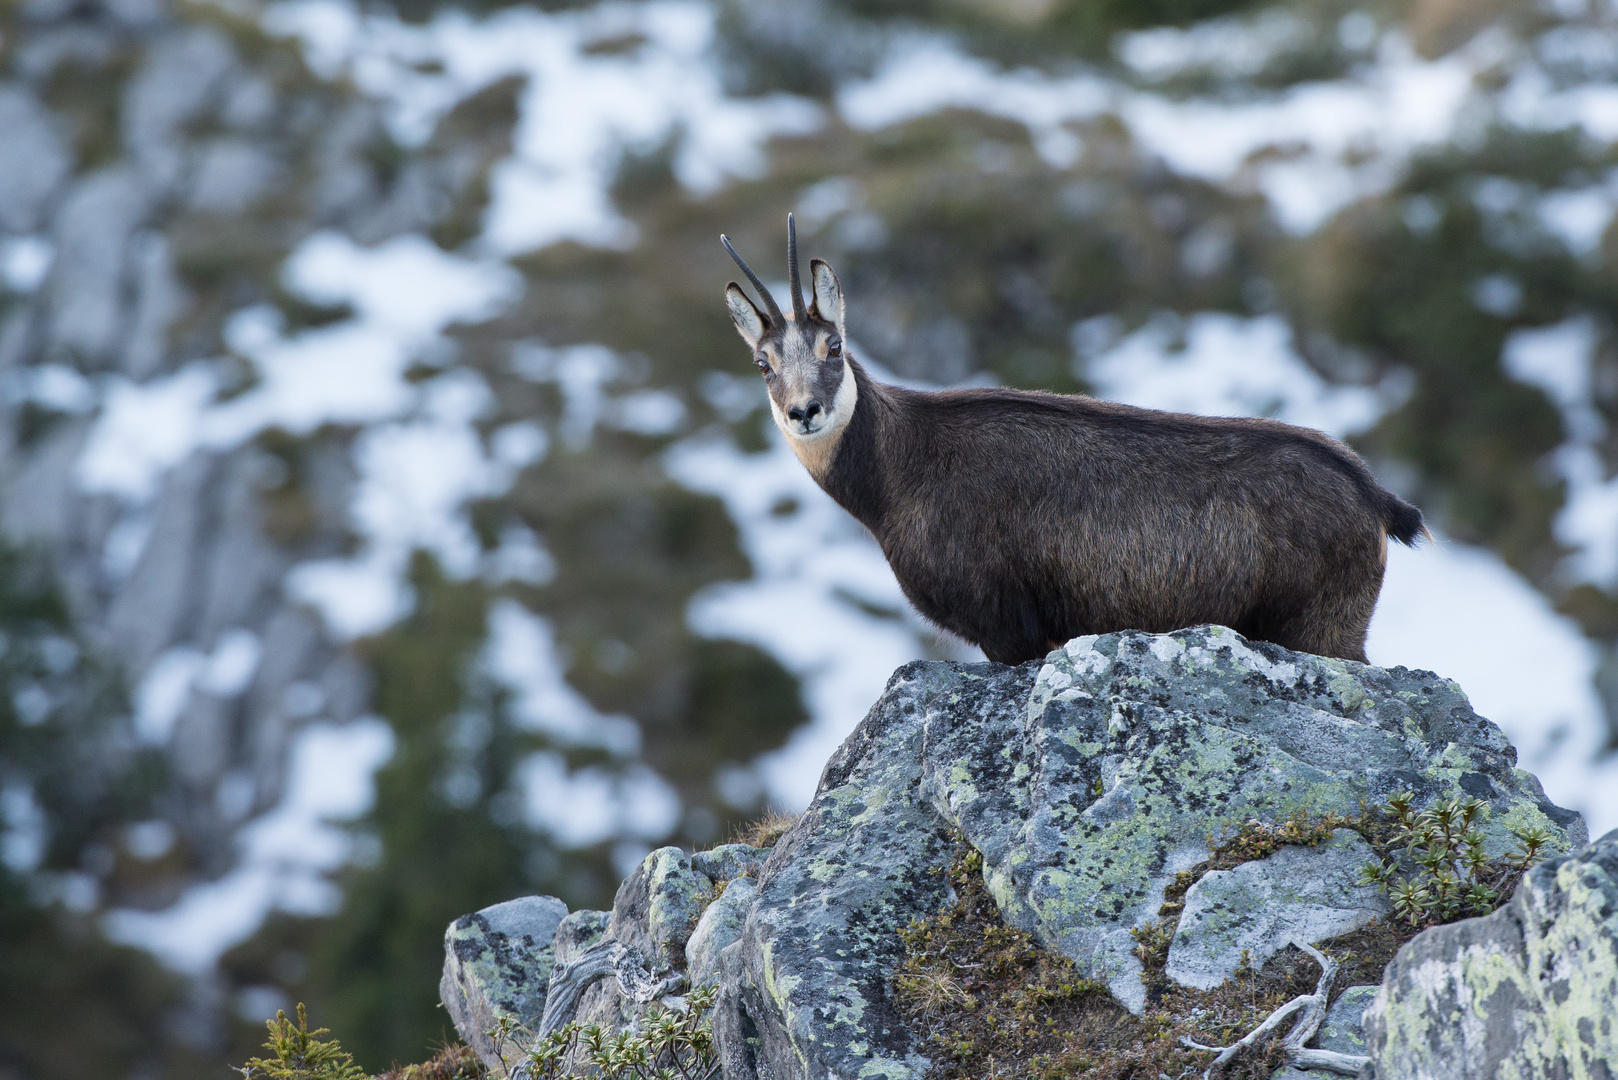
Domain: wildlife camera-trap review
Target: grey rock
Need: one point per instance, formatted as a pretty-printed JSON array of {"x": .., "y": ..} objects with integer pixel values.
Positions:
[
  {"x": 657, "y": 907},
  {"x": 578, "y": 933},
  {"x": 159, "y": 302},
  {"x": 497, "y": 965},
  {"x": 156, "y": 606},
  {"x": 804, "y": 992},
  {"x": 1258, "y": 908},
  {"x": 230, "y": 175},
  {"x": 179, "y": 81},
  {"x": 34, "y": 160},
  {"x": 292, "y": 651},
  {"x": 241, "y": 571},
  {"x": 200, "y": 745},
  {"x": 93, "y": 228},
  {"x": 1529, "y": 991},
  {"x": 1086, "y": 782},
  {"x": 721, "y": 925},
  {"x": 136, "y": 12},
  {"x": 39, "y": 505},
  {"x": 347, "y": 683},
  {"x": 1344, "y": 1027},
  {"x": 605, "y": 968},
  {"x": 728, "y": 861},
  {"x": 1133, "y": 747},
  {"x": 653, "y": 915}
]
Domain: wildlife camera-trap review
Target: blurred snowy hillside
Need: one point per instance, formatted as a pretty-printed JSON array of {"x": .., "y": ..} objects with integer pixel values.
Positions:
[{"x": 393, "y": 523}]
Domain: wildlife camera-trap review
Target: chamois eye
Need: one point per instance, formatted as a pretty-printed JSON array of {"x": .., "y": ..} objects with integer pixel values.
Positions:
[
  {"x": 763, "y": 364},
  {"x": 834, "y": 347}
]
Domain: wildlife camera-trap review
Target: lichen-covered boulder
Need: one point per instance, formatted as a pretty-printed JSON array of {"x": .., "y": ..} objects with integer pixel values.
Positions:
[
  {"x": 804, "y": 991},
  {"x": 1257, "y": 909},
  {"x": 577, "y": 934},
  {"x": 1529, "y": 991},
  {"x": 653, "y": 915},
  {"x": 1133, "y": 747},
  {"x": 1086, "y": 782},
  {"x": 532, "y": 961},
  {"x": 497, "y": 965},
  {"x": 657, "y": 907}
]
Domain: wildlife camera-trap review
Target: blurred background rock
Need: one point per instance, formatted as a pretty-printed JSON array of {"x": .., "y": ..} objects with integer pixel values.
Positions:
[{"x": 391, "y": 522}]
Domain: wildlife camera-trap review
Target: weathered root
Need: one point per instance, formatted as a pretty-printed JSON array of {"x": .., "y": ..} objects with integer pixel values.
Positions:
[
  {"x": 1313, "y": 1010},
  {"x": 569, "y": 982}
]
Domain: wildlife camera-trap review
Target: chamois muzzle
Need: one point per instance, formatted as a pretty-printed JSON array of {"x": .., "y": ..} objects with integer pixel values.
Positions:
[{"x": 805, "y": 415}]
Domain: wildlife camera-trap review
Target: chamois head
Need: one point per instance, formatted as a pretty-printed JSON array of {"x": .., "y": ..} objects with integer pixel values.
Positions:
[{"x": 812, "y": 388}]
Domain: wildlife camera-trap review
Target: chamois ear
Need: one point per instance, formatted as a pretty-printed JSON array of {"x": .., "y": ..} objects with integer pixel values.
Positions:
[
  {"x": 750, "y": 321},
  {"x": 828, "y": 293}
]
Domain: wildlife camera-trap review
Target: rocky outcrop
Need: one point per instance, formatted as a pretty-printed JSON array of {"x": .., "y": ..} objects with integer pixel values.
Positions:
[
  {"x": 1086, "y": 782},
  {"x": 1529, "y": 991}
]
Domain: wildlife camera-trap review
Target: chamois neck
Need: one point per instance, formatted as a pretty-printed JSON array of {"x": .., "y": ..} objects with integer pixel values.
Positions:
[{"x": 855, "y": 474}]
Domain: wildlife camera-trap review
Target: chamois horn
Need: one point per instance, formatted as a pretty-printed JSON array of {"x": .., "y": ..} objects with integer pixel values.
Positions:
[
  {"x": 770, "y": 307},
  {"x": 799, "y": 315}
]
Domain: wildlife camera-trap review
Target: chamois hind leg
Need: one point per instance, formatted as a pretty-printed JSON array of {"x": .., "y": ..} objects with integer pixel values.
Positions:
[{"x": 1336, "y": 622}]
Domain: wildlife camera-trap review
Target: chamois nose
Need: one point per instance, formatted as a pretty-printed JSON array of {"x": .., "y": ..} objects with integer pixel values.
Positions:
[{"x": 805, "y": 413}]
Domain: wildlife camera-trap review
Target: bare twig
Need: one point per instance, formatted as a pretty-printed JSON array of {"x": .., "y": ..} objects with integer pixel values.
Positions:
[
  {"x": 1274, "y": 1021},
  {"x": 1330, "y": 1060},
  {"x": 1313, "y": 1009}
]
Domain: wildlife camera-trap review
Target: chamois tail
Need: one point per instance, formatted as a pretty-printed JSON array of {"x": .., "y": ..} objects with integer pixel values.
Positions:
[{"x": 1403, "y": 520}]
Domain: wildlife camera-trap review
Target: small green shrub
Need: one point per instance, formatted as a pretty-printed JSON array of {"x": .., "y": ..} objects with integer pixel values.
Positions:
[
  {"x": 668, "y": 1045},
  {"x": 1453, "y": 877},
  {"x": 301, "y": 1054}
]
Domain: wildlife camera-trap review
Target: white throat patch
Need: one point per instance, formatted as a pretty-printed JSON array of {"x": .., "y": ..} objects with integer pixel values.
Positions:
[{"x": 816, "y": 448}]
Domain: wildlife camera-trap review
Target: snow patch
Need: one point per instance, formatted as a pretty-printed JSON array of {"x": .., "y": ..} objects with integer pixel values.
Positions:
[
  {"x": 521, "y": 654},
  {"x": 584, "y": 807},
  {"x": 1224, "y": 365},
  {"x": 580, "y": 109},
  {"x": 284, "y": 855}
]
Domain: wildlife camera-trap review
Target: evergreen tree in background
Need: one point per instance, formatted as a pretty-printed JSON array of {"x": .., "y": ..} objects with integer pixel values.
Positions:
[{"x": 72, "y": 782}]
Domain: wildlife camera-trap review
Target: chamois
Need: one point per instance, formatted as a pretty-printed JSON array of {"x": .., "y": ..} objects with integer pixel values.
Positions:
[{"x": 1020, "y": 519}]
